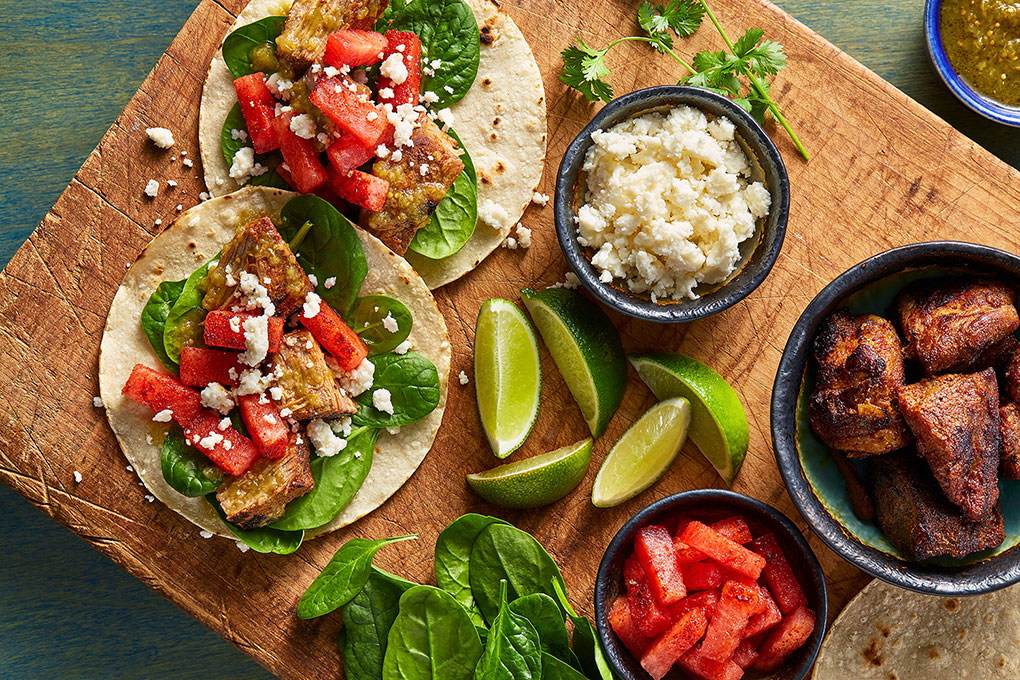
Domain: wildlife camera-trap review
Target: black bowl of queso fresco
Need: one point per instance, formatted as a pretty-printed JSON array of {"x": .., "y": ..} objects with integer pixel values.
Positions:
[{"x": 671, "y": 204}]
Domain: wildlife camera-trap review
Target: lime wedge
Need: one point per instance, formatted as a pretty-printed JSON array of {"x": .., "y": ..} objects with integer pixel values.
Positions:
[
  {"x": 508, "y": 375},
  {"x": 718, "y": 422},
  {"x": 536, "y": 481},
  {"x": 643, "y": 453},
  {"x": 586, "y": 348}
]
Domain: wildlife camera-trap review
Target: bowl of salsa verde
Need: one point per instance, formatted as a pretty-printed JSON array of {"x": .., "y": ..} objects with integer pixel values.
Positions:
[{"x": 975, "y": 47}]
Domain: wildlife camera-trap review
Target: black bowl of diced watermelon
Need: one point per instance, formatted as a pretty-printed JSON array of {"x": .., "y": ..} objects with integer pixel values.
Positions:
[{"x": 710, "y": 584}]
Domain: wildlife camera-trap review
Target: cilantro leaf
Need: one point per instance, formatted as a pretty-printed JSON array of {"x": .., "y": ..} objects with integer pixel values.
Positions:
[
  {"x": 768, "y": 58},
  {"x": 747, "y": 41},
  {"x": 682, "y": 16},
  {"x": 583, "y": 69}
]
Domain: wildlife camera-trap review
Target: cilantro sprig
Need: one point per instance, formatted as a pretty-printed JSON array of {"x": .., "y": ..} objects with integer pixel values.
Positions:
[{"x": 751, "y": 57}]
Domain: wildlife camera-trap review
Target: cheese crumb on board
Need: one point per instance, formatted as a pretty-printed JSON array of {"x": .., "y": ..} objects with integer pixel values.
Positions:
[
  {"x": 152, "y": 188},
  {"x": 462, "y": 378},
  {"x": 160, "y": 136}
]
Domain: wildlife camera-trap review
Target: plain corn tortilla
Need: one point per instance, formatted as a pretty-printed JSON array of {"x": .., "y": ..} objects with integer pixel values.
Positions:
[
  {"x": 501, "y": 121},
  {"x": 195, "y": 236},
  {"x": 887, "y": 632}
]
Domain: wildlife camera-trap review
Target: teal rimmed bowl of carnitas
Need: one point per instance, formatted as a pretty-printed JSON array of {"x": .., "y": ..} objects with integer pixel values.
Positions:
[{"x": 811, "y": 477}]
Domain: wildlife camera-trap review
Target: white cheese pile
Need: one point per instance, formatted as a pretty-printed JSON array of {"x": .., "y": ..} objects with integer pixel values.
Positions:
[{"x": 668, "y": 202}]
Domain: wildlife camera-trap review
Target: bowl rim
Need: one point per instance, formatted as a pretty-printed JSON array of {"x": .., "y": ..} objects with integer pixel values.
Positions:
[
  {"x": 915, "y": 576},
  {"x": 977, "y": 102},
  {"x": 745, "y": 503},
  {"x": 688, "y": 310}
]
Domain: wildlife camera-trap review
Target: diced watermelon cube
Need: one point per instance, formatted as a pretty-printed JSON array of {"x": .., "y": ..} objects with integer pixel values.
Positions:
[
  {"x": 769, "y": 616},
  {"x": 672, "y": 644},
  {"x": 699, "y": 665},
  {"x": 723, "y": 550},
  {"x": 353, "y": 112},
  {"x": 201, "y": 366},
  {"x": 354, "y": 48},
  {"x": 360, "y": 188},
  {"x": 230, "y": 450},
  {"x": 406, "y": 92},
  {"x": 702, "y": 576},
  {"x": 348, "y": 153},
  {"x": 706, "y": 600},
  {"x": 625, "y": 627},
  {"x": 737, "y": 604},
  {"x": 267, "y": 428},
  {"x": 654, "y": 549},
  {"x": 300, "y": 155},
  {"x": 650, "y": 618},
  {"x": 778, "y": 575},
  {"x": 162, "y": 392},
  {"x": 733, "y": 528},
  {"x": 336, "y": 337},
  {"x": 746, "y": 653},
  {"x": 786, "y": 638},
  {"x": 258, "y": 107},
  {"x": 224, "y": 328}
]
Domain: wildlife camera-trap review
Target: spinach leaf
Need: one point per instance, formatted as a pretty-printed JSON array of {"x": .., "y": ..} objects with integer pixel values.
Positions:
[
  {"x": 432, "y": 638},
  {"x": 448, "y": 32},
  {"x": 154, "y": 315},
  {"x": 230, "y": 146},
  {"x": 453, "y": 222},
  {"x": 453, "y": 556},
  {"x": 386, "y": 18},
  {"x": 505, "y": 552},
  {"x": 413, "y": 383},
  {"x": 547, "y": 618},
  {"x": 512, "y": 651},
  {"x": 183, "y": 323},
  {"x": 586, "y": 642},
  {"x": 238, "y": 45},
  {"x": 263, "y": 540},
  {"x": 554, "y": 669},
  {"x": 182, "y": 466},
  {"x": 367, "y": 621},
  {"x": 367, "y": 321},
  {"x": 343, "y": 578},
  {"x": 331, "y": 248},
  {"x": 337, "y": 479}
]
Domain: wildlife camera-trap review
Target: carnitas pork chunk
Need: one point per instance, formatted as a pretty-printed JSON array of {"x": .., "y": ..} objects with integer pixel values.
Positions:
[
  {"x": 309, "y": 387},
  {"x": 309, "y": 23},
  {"x": 1009, "y": 429},
  {"x": 955, "y": 419},
  {"x": 418, "y": 182},
  {"x": 260, "y": 495},
  {"x": 257, "y": 249},
  {"x": 918, "y": 519},
  {"x": 954, "y": 325},
  {"x": 853, "y": 407}
]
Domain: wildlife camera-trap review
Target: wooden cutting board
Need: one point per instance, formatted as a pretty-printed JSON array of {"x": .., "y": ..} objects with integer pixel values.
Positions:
[{"x": 885, "y": 172}]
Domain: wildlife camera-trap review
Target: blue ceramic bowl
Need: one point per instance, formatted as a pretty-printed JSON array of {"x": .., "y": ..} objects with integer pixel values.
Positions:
[
  {"x": 814, "y": 483},
  {"x": 758, "y": 253},
  {"x": 971, "y": 98},
  {"x": 712, "y": 505}
]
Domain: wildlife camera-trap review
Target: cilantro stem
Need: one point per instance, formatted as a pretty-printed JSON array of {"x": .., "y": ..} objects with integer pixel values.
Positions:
[
  {"x": 773, "y": 107},
  {"x": 658, "y": 45}
]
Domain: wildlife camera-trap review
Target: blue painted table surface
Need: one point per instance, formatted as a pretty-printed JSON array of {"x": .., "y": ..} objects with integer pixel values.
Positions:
[{"x": 67, "y": 68}]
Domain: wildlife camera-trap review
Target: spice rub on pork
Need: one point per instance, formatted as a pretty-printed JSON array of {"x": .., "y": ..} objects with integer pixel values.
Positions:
[
  {"x": 955, "y": 324},
  {"x": 919, "y": 520},
  {"x": 256, "y": 257},
  {"x": 309, "y": 388},
  {"x": 419, "y": 178},
  {"x": 955, "y": 419},
  {"x": 260, "y": 496},
  {"x": 853, "y": 407}
]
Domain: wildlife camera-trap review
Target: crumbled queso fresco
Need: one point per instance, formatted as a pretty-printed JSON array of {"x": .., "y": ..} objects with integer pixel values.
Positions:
[{"x": 668, "y": 201}]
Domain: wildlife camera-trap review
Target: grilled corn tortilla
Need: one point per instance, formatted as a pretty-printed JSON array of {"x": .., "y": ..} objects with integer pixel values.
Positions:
[
  {"x": 194, "y": 237},
  {"x": 501, "y": 121},
  {"x": 887, "y": 632}
]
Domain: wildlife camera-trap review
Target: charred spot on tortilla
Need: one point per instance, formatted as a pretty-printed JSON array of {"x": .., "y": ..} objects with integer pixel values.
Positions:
[
  {"x": 952, "y": 604},
  {"x": 873, "y": 652},
  {"x": 486, "y": 82}
]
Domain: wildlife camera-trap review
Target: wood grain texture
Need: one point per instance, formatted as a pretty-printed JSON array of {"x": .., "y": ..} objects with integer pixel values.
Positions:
[{"x": 885, "y": 172}]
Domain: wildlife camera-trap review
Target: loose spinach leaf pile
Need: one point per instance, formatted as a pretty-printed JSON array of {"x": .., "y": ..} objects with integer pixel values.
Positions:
[
  {"x": 453, "y": 222},
  {"x": 395, "y": 629}
]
